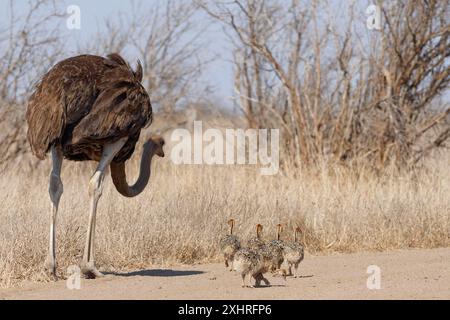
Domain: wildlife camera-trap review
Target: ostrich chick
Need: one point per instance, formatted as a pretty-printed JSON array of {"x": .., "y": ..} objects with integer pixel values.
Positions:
[
  {"x": 257, "y": 242},
  {"x": 229, "y": 245},
  {"x": 254, "y": 263},
  {"x": 276, "y": 249},
  {"x": 294, "y": 253}
]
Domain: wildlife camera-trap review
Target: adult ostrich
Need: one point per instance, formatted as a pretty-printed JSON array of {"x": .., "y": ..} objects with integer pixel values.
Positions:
[{"x": 91, "y": 108}]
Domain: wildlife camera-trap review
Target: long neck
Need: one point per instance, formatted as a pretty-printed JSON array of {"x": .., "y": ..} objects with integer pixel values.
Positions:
[
  {"x": 119, "y": 177},
  {"x": 231, "y": 228},
  {"x": 278, "y": 234},
  {"x": 295, "y": 236}
]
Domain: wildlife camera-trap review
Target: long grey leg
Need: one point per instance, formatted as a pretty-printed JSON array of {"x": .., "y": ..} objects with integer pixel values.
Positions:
[
  {"x": 296, "y": 270},
  {"x": 95, "y": 192},
  {"x": 55, "y": 190}
]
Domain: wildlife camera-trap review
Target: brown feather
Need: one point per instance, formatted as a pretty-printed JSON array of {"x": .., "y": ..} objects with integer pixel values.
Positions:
[{"x": 84, "y": 102}]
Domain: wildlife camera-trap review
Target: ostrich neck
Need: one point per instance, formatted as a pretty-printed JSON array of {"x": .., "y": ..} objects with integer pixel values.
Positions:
[{"x": 119, "y": 177}]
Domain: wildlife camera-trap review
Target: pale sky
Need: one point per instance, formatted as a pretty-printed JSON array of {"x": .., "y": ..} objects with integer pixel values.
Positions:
[
  {"x": 93, "y": 14},
  {"x": 218, "y": 75}
]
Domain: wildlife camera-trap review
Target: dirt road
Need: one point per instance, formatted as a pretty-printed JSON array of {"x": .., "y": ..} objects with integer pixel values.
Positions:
[{"x": 405, "y": 274}]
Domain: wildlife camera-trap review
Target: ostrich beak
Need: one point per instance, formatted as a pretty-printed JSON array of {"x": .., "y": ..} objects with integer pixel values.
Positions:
[
  {"x": 160, "y": 144},
  {"x": 160, "y": 153}
]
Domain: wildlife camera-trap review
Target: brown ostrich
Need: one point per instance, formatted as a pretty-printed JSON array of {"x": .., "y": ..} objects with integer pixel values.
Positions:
[{"x": 91, "y": 108}]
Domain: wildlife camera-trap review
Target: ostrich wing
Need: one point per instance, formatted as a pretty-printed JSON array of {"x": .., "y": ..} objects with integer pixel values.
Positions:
[
  {"x": 63, "y": 96},
  {"x": 87, "y": 98},
  {"x": 122, "y": 108}
]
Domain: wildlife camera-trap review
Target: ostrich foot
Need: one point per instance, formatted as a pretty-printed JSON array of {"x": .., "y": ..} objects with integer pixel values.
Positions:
[{"x": 89, "y": 271}]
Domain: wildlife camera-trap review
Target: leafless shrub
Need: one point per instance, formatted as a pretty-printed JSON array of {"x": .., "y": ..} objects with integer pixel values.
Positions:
[
  {"x": 169, "y": 40},
  {"x": 29, "y": 45},
  {"x": 339, "y": 97}
]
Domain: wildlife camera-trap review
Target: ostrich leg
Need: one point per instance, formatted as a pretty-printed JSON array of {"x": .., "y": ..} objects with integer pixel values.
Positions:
[
  {"x": 95, "y": 191},
  {"x": 55, "y": 190}
]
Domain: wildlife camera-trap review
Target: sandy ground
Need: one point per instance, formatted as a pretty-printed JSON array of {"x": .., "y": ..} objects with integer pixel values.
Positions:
[{"x": 405, "y": 274}]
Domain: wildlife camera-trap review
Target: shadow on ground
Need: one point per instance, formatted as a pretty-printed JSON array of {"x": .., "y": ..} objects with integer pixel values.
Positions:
[
  {"x": 157, "y": 273},
  {"x": 269, "y": 286}
]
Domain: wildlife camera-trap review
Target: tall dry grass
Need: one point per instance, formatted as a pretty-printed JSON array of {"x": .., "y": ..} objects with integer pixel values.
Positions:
[{"x": 181, "y": 215}]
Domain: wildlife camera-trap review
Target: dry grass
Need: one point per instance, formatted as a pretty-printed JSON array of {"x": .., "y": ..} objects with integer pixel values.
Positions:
[{"x": 179, "y": 218}]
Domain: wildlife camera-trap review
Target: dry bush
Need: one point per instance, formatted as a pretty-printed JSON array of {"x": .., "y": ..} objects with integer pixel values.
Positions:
[
  {"x": 341, "y": 93},
  {"x": 29, "y": 45},
  {"x": 14, "y": 144},
  {"x": 168, "y": 39},
  {"x": 179, "y": 217}
]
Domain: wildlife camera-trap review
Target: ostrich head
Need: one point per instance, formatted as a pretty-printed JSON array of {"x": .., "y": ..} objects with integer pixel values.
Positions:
[{"x": 157, "y": 143}]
